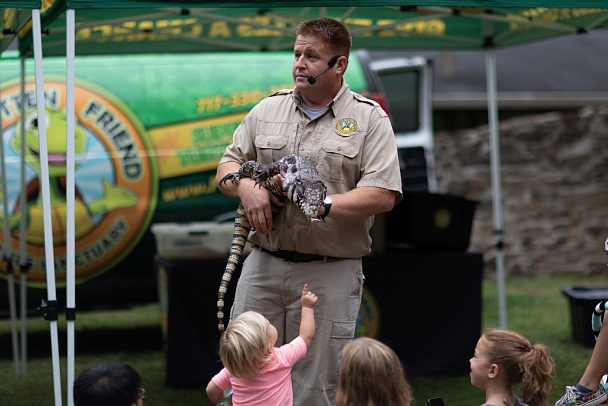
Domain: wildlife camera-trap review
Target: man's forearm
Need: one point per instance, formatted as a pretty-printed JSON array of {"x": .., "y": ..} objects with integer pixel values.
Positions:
[
  {"x": 362, "y": 202},
  {"x": 228, "y": 188}
]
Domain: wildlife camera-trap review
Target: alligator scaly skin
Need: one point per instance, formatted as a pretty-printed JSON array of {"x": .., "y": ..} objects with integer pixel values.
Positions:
[{"x": 301, "y": 184}]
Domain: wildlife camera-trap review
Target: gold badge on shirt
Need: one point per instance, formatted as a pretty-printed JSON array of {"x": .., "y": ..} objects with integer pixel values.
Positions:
[{"x": 346, "y": 127}]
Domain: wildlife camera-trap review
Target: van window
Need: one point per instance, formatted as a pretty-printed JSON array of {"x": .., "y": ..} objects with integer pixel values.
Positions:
[{"x": 402, "y": 91}]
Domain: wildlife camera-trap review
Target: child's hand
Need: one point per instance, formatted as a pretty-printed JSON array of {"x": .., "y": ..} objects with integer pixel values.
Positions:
[{"x": 308, "y": 298}]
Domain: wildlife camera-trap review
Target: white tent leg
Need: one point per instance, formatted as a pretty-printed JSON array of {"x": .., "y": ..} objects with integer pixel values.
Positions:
[
  {"x": 496, "y": 182},
  {"x": 7, "y": 257},
  {"x": 23, "y": 265},
  {"x": 23, "y": 304},
  {"x": 70, "y": 197},
  {"x": 46, "y": 205}
]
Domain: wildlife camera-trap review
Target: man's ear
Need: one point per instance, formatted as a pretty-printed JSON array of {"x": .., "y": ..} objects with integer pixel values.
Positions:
[
  {"x": 493, "y": 371},
  {"x": 342, "y": 64}
]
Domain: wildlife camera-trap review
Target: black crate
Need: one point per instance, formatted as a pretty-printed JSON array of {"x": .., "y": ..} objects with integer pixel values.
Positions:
[
  {"x": 583, "y": 300},
  {"x": 431, "y": 221}
]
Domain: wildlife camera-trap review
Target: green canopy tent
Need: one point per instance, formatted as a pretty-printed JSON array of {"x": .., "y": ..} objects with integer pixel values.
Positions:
[
  {"x": 119, "y": 26},
  {"x": 191, "y": 26}
]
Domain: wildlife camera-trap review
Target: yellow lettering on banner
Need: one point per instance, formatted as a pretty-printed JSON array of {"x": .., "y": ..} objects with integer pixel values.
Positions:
[
  {"x": 244, "y": 30},
  {"x": 360, "y": 22},
  {"x": 150, "y": 30},
  {"x": 387, "y": 32},
  {"x": 102, "y": 30},
  {"x": 248, "y": 30},
  {"x": 515, "y": 19},
  {"x": 549, "y": 14},
  {"x": 146, "y": 25},
  {"x": 192, "y": 147},
  {"x": 581, "y": 12},
  {"x": 534, "y": 12},
  {"x": 219, "y": 29},
  {"x": 434, "y": 27}
]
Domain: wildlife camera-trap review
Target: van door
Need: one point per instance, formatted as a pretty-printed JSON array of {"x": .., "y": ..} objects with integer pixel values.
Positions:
[{"x": 403, "y": 86}]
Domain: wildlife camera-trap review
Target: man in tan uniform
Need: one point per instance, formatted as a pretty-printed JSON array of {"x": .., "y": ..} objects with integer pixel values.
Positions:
[{"x": 350, "y": 141}]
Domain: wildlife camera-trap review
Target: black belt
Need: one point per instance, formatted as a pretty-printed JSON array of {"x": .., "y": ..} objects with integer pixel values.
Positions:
[{"x": 294, "y": 256}]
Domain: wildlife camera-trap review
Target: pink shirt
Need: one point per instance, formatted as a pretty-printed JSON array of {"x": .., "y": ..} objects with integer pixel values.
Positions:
[{"x": 272, "y": 385}]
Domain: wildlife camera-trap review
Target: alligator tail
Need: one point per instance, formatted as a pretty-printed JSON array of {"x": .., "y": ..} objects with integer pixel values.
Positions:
[{"x": 239, "y": 239}]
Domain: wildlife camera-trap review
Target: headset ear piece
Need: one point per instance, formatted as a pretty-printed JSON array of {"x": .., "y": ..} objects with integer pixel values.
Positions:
[{"x": 333, "y": 60}]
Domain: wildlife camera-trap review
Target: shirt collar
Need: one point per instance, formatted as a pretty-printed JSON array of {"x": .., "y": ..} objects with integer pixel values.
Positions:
[{"x": 335, "y": 104}]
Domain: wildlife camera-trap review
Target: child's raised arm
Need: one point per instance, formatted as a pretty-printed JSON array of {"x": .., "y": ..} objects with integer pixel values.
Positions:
[{"x": 307, "y": 324}]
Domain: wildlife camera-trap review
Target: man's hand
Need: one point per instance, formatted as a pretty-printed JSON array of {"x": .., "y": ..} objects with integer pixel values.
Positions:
[{"x": 257, "y": 202}]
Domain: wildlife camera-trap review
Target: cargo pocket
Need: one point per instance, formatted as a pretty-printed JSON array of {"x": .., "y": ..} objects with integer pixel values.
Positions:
[{"x": 341, "y": 333}]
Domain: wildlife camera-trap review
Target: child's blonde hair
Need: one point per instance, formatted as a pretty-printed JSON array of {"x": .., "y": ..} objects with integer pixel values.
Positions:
[
  {"x": 530, "y": 365},
  {"x": 371, "y": 374},
  {"x": 245, "y": 345}
]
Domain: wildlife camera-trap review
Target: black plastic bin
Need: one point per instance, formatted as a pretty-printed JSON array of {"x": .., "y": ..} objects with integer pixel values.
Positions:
[{"x": 583, "y": 300}]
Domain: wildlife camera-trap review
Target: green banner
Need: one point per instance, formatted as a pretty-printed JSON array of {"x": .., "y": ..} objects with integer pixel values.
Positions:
[{"x": 112, "y": 27}]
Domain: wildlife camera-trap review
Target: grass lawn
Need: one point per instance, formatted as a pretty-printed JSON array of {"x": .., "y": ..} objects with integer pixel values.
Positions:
[{"x": 536, "y": 308}]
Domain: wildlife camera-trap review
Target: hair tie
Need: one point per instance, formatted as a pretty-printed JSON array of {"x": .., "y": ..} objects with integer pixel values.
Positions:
[{"x": 524, "y": 348}]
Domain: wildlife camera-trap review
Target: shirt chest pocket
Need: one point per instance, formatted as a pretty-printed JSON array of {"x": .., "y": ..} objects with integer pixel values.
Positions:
[
  {"x": 271, "y": 147},
  {"x": 341, "y": 162}
]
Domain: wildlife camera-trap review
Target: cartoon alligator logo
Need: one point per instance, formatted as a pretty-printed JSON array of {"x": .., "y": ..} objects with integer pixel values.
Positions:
[
  {"x": 116, "y": 180},
  {"x": 113, "y": 197}
]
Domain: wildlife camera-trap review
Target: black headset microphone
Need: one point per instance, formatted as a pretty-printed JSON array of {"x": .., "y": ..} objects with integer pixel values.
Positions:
[{"x": 332, "y": 62}]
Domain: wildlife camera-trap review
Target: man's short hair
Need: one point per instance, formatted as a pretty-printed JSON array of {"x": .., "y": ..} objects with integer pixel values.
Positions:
[
  {"x": 108, "y": 383},
  {"x": 332, "y": 32}
]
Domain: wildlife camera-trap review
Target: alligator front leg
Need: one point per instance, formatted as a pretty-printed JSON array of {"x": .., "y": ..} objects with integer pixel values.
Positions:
[{"x": 248, "y": 170}]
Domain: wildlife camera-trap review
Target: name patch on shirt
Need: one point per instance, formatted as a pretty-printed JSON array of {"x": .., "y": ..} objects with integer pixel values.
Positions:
[{"x": 346, "y": 127}]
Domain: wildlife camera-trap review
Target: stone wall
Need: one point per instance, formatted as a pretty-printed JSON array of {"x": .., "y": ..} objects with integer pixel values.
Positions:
[{"x": 554, "y": 188}]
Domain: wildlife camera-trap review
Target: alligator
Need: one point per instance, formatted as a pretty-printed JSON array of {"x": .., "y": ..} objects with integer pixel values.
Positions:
[{"x": 301, "y": 184}]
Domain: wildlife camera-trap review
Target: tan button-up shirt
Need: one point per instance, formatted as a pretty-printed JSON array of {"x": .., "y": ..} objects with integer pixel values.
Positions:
[{"x": 352, "y": 144}]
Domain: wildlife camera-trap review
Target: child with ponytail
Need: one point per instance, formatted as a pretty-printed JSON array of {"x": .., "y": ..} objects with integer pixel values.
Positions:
[{"x": 503, "y": 359}]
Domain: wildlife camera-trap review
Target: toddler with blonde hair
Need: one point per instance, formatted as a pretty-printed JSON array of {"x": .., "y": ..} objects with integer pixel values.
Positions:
[{"x": 258, "y": 372}]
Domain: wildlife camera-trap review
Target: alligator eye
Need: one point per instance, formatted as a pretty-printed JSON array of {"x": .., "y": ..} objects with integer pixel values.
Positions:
[{"x": 31, "y": 122}]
